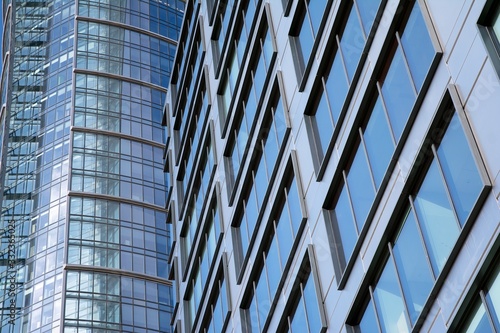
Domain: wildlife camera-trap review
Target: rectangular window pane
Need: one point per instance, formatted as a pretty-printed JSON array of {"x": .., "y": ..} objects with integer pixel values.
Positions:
[
  {"x": 368, "y": 323},
  {"x": 360, "y": 187},
  {"x": 459, "y": 169},
  {"x": 414, "y": 272},
  {"x": 352, "y": 43},
  {"x": 398, "y": 94},
  {"x": 345, "y": 223},
  {"x": 322, "y": 125},
  {"x": 311, "y": 303},
  {"x": 378, "y": 141},
  {"x": 437, "y": 220},
  {"x": 299, "y": 322},
  {"x": 368, "y": 11},
  {"x": 336, "y": 87},
  {"x": 389, "y": 302},
  {"x": 419, "y": 55}
]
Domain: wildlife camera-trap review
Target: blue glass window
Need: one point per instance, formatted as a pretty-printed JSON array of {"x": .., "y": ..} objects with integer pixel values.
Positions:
[
  {"x": 417, "y": 46},
  {"x": 429, "y": 233}
]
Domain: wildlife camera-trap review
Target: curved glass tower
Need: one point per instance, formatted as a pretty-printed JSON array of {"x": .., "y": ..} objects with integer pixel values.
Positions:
[{"x": 84, "y": 241}]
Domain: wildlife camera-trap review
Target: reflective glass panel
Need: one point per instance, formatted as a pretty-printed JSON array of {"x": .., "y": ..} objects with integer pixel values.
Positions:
[
  {"x": 436, "y": 217},
  {"x": 323, "y": 125},
  {"x": 378, "y": 141},
  {"x": 352, "y": 43},
  {"x": 368, "y": 323},
  {"x": 398, "y": 94},
  {"x": 311, "y": 303},
  {"x": 459, "y": 168},
  {"x": 360, "y": 187},
  {"x": 368, "y": 11},
  {"x": 414, "y": 271},
  {"x": 336, "y": 87},
  {"x": 345, "y": 223},
  {"x": 299, "y": 321},
  {"x": 417, "y": 46},
  {"x": 389, "y": 302}
]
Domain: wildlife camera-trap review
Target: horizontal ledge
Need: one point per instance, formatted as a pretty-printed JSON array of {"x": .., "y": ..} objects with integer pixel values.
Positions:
[
  {"x": 116, "y": 198},
  {"x": 117, "y": 134},
  {"x": 116, "y": 271}
]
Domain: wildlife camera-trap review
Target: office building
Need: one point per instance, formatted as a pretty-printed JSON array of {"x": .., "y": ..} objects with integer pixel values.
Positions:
[
  {"x": 334, "y": 166},
  {"x": 84, "y": 234}
]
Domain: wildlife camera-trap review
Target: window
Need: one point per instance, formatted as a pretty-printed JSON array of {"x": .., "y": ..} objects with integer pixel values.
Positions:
[
  {"x": 197, "y": 199},
  {"x": 333, "y": 86},
  {"x": 239, "y": 143},
  {"x": 485, "y": 313},
  {"x": 489, "y": 27},
  {"x": 440, "y": 208},
  {"x": 306, "y": 27},
  {"x": 374, "y": 143},
  {"x": 273, "y": 133},
  {"x": 218, "y": 309},
  {"x": 304, "y": 311},
  {"x": 254, "y": 80},
  {"x": 273, "y": 258}
]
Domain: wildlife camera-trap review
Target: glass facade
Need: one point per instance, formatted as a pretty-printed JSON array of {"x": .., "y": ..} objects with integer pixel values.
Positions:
[
  {"x": 333, "y": 167},
  {"x": 84, "y": 191}
]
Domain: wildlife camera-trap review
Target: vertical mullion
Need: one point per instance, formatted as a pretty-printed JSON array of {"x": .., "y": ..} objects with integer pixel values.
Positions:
[
  {"x": 325, "y": 92},
  {"x": 341, "y": 55},
  {"x": 448, "y": 194},
  {"x": 400, "y": 46},
  {"x": 362, "y": 143},
  {"x": 421, "y": 235},
  {"x": 375, "y": 310},
  {"x": 350, "y": 204},
  {"x": 393, "y": 260},
  {"x": 487, "y": 310},
  {"x": 384, "y": 108},
  {"x": 355, "y": 7}
]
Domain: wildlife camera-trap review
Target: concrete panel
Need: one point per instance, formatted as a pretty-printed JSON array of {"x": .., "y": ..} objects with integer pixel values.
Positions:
[
  {"x": 473, "y": 63},
  {"x": 481, "y": 108}
]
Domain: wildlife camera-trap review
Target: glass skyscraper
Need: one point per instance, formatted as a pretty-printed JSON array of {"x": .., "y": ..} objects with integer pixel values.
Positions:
[{"x": 84, "y": 240}]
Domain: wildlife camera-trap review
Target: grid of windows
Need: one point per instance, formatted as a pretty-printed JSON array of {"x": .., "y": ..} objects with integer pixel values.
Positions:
[
  {"x": 117, "y": 235},
  {"x": 110, "y": 49},
  {"x": 236, "y": 56},
  {"x": 109, "y": 165},
  {"x": 218, "y": 308},
  {"x": 304, "y": 311},
  {"x": 243, "y": 124},
  {"x": 271, "y": 138},
  {"x": 192, "y": 140},
  {"x": 273, "y": 257},
  {"x": 334, "y": 86},
  {"x": 148, "y": 15},
  {"x": 377, "y": 139},
  {"x": 197, "y": 198},
  {"x": 221, "y": 25},
  {"x": 114, "y": 105},
  {"x": 430, "y": 227},
  {"x": 117, "y": 303},
  {"x": 203, "y": 261},
  {"x": 306, "y": 28}
]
